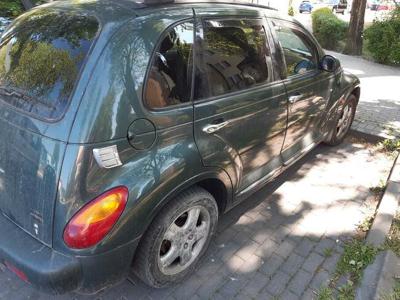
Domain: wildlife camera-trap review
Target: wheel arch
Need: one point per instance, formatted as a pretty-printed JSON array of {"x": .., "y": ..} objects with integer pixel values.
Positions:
[
  {"x": 216, "y": 182},
  {"x": 356, "y": 92}
]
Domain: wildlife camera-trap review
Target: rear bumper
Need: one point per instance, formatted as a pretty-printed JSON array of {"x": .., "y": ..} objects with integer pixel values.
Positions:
[
  {"x": 46, "y": 269},
  {"x": 56, "y": 273}
]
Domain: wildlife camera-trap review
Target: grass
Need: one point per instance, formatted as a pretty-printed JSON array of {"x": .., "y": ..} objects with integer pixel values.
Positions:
[
  {"x": 325, "y": 293},
  {"x": 365, "y": 225},
  {"x": 357, "y": 255},
  {"x": 347, "y": 291},
  {"x": 393, "y": 239},
  {"x": 379, "y": 189},
  {"x": 328, "y": 252},
  {"x": 390, "y": 145},
  {"x": 395, "y": 294}
]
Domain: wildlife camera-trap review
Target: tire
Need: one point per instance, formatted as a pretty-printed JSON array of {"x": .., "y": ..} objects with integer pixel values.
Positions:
[
  {"x": 337, "y": 136},
  {"x": 301, "y": 11},
  {"x": 171, "y": 234}
]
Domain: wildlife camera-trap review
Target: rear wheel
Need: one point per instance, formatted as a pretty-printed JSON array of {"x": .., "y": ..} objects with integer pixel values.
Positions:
[
  {"x": 177, "y": 238},
  {"x": 344, "y": 119}
]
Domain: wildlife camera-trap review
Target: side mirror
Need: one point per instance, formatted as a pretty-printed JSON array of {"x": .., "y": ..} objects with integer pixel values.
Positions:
[{"x": 329, "y": 63}]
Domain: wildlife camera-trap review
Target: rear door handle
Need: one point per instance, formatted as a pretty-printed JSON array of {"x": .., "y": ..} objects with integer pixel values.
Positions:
[
  {"x": 215, "y": 127},
  {"x": 293, "y": 99}
]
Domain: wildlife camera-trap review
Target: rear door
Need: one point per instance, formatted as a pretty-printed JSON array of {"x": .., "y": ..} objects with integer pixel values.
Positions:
[
  {"x": 308, "y": 88},
  {"x": 240, "y": 110},
  {"x": 40, "y": 60}
]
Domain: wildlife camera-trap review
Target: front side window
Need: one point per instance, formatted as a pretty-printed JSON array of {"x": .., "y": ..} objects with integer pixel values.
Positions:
[
  {"x": 234, "y": 56},
  {"x": 170, "y": 76},
  {"x": 40, "y": 60},
  {"x": 299, "y": 52}
]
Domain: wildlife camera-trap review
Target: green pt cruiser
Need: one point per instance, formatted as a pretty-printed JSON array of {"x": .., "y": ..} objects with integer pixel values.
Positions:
[{"x": 127, "y": 128}]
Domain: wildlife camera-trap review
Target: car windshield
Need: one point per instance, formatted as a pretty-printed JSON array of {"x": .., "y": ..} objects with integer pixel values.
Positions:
[{"x": 40, "y": 59}]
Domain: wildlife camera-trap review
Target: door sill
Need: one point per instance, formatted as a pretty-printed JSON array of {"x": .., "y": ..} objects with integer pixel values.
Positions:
[
  {"x": 257, "y": 185},
  {"x": 302, "y": 153}
]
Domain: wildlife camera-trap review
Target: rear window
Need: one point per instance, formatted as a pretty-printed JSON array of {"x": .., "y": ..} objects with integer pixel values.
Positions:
[{"x": 40, "y": 60}]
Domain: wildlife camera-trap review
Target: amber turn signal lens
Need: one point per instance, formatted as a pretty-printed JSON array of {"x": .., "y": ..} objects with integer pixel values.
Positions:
[{"x": 96, "y": 219}]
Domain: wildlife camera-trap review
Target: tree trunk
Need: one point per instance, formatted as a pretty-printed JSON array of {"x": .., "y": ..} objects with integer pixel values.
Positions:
[
  {"x": 354, "y": 42},
  {"x": 27, "y": 4}
]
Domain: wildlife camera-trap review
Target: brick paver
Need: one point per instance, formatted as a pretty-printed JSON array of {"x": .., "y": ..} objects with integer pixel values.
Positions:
[{"x": 274, "y": 244}]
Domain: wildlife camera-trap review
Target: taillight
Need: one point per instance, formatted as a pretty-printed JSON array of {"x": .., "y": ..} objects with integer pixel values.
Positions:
[{"x": 95, "y": 220}]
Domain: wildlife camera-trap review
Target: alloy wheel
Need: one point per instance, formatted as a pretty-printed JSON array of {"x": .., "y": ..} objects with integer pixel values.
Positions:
[
  {"x": 184, "y": 240},
  {"x": 344, "y": 121}
]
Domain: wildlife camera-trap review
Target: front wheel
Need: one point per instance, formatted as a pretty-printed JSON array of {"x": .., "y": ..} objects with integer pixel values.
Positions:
[
  {"x": 177, "y": 238},
  {"x": 344, "y": 119}
]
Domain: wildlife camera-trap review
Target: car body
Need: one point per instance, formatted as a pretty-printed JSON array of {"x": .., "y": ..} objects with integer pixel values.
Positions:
[
  {"x": 338, "y": 6},
  {"x": 305, "y": 6},
  {"x": 377, "y": 5},
  {"x": 114, "y": 114}
]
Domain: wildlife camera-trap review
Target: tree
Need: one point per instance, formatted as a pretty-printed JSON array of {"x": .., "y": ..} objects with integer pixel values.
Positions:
[
  {"x": 354, "y": 42},
  {"x": 27, "y": 4}
]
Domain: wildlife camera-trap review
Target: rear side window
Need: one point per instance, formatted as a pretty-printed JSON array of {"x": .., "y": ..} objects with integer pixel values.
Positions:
[
  {"x": 40, "y": 60},
  {"x": 170, "y": 76},
  {"x": 235, "y": 56}
]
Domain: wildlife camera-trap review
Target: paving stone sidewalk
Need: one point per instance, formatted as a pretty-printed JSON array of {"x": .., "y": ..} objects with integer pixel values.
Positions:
[
  {"x": 274, "y": 244},
  {"x": 378, "y": 112}
]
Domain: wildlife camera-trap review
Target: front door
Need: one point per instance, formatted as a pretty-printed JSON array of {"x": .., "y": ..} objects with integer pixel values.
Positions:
[
  {"x": 240, "y": 111},
  {"x": 308, "y": 89}
]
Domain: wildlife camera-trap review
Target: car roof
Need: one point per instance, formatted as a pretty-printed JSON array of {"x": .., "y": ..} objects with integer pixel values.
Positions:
[
  {"x": 105, "y": 10},
  {"x": 119, "y": 10}
]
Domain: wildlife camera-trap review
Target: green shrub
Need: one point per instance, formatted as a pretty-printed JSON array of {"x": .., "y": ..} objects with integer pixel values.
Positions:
[
  {"x": 291, "y": 11},
  {"x": 382, "y": 39},
  {"x": 328, "y": 29},
  {"x": 11, "y": 8}
]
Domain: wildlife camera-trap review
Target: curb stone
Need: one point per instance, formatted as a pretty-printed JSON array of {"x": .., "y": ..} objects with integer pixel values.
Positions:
[
  {"x": 387, "y": 208},
  {"x": 379, "y": 277}
]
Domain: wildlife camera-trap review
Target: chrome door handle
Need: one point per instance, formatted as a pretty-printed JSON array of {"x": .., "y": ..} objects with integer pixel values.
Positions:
[
  {"x": 215, "y": 127},
  {"x": 293, "y": 99}
]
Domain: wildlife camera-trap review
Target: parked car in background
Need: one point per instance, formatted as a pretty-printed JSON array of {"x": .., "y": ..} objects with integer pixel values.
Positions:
[
  {"x": 4, "y": 22},
  {"x": 378, "y": 5},
  {"x": 305, "y": 6},
  {"x": 337, "y": 6},
  {"x": 128, "y": 128}
]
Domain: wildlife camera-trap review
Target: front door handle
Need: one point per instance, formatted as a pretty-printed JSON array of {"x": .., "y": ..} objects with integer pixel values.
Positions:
[
  {"x": 212, "y": 128},
  {"x": 293, "y": 99}
]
